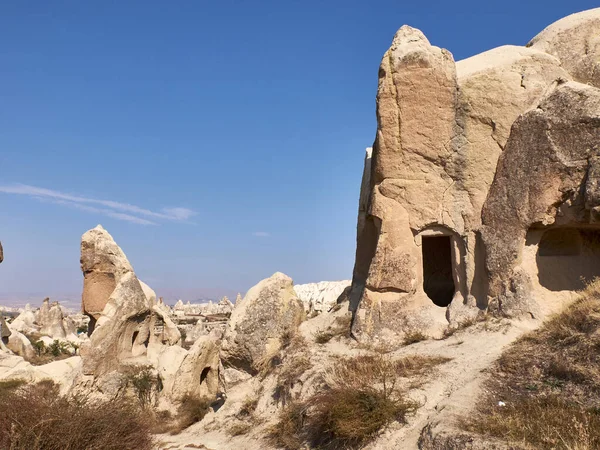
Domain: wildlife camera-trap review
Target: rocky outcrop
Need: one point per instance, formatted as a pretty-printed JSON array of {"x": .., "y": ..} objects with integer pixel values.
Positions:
[
  {"x": 53, "y": 323},
  {"x": 134, "y": 331},
  {"x": 322, "y": 296},
  {"x": 26, "y": 322},
  {"x": 547, "y": 177},
  {"x": 574, "y": 40},
  {"x": 424, "y": 255},
  {"x": 192, "y": 373},
  {"x": 20, "y": 345},
  {"x": 103, "y": 265},
  {"x": 270, "y": 310}
]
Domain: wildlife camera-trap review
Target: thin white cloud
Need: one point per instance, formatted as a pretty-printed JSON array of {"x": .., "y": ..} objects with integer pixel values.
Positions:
[
  {"x": 262, "y": 234},
  {"x": 116, "y": 210}
]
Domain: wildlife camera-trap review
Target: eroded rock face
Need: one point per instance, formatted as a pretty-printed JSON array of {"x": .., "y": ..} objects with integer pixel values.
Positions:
[
  {"x": 421, "y": 259},
  {"x": 258, "y": 322},
  {"x": 547, "y": 176},
  {"x": 321, "y": 296},
  {"x": 134, "y": 331},
  {"x": 575, "y": 41},
  {"x": 103, "y": 264}
]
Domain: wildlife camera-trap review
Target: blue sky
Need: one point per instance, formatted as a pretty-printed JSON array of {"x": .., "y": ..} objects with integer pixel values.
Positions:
[{"x": 218, "y": 142}]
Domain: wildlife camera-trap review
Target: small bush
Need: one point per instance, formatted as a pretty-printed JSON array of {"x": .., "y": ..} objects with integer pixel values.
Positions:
[
  {"x": 144, "y": 382},
  {"x": 82, "y": 329},
  {"x": 191, "y": 411},
  {"x": 248, "y": 407},
  {"x": 347, "y": 418},
  {"x": 291, "y": 371},
  {"x": 239, "y": 428},
  {"x": 360, "y": 398},
  {"x": 287, "y": 433},
  {"x": 412, "y": 337},
  {"x": 34, "y": 417},
  {"x": 9, "y": 386}
]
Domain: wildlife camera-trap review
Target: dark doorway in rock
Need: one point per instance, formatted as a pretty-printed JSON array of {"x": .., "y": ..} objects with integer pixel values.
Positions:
[
  {"x": 568, "y": 258},
  {"x": 204, "y": 374},
  {"x": 438, "y": 283},
  {"x": 134, "y": 337}
]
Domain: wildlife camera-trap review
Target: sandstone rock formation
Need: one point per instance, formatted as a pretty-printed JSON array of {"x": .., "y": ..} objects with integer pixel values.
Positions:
[
  {"x": 426, "y": 254},
  {"x": 135, "y": 330},
  {"x": 53, "y": 323},
  {"x": 575, "y": 42},
  {"x": 258, "y": 323},
  {"x": 26, "y": 322},
  {"x": 192, "y": 373},
  {"x": 20, "y": 345},
  {"x": 103, "y": 265},
  {"x": 322, "y": 296}
]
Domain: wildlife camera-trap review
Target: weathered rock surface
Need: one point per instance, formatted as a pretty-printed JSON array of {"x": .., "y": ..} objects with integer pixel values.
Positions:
[
  {"x": 321, "y": 296},
  {"x": 192, "y": 373},
  {"x": 421, "y": 259},
  {"x": 546, "y": 176},
  {"x": 103, "y": 264},
  {"x": 134, "y": 331},
  {"x": 269, "y": 310},
  {"x": 575, "y": 41},
  {"x": 20, "y": 345}
]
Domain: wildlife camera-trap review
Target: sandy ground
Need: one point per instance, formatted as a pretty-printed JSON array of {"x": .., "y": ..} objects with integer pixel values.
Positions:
[{"x": 450, "y": 392}]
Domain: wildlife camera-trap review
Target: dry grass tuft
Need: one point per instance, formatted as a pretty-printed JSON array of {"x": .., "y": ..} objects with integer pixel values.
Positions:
[
  {"x": 339, "y": 328},
  {"x": 287, "y": 432},
  {"x": 361, "y": 397},
  {"x": 289, "y": 374},
  {"x": 191, "y": 411},
  {"x": 412, "y": 337},
  {"x": 550, "y": 383},
  {"x": 34, "y": 417}
]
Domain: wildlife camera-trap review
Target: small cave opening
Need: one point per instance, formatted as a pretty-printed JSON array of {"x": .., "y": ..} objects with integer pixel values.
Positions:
[
  {"x": 568, "y": 258},
  {"x": 204, "y": 374},
  {"x": 438, "y": 282},
  {"x": 134, "y": 337}
]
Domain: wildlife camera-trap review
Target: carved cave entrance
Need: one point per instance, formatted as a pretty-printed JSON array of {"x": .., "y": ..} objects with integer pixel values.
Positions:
[
  {"x": 567, "y": 258},
  {"x": 438, "y": 282}
]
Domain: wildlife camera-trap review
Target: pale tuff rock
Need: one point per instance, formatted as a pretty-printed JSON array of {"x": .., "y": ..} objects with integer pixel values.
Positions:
[
  {"x": 20, "y": 345},
  {"x": 192, "y": 373},
  {"x": 52, "y": 322},
  {"x": 421, "y": 258},
  {"x": 547, "y": 177},
  {"x": 268, "y": 311},
  {"x": 62, "y": 372},
  {"x": 575, "y": 41},
  {"x": 320, "y": 296},
  {"x": 134, "y": 329},
  {"x": 26, "y": 322},
  {"x": 103, "y": 265}
]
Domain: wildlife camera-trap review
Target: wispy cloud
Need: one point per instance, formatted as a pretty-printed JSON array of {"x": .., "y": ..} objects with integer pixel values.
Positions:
[
  {"x": 262, "y": 234},
  {"x": 110, "y": 208}
]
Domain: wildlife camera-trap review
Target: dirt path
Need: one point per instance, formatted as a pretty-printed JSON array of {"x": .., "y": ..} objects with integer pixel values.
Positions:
[{"x": 450, "y": 392}]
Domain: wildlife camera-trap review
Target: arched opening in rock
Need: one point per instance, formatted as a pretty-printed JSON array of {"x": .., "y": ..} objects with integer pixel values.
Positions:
[
  {"x": 438, "y": 282},
  {"x": 134, "y": 337},
  {"x": 566, "y": 258},
  {"x": 204, "y": 374}
]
